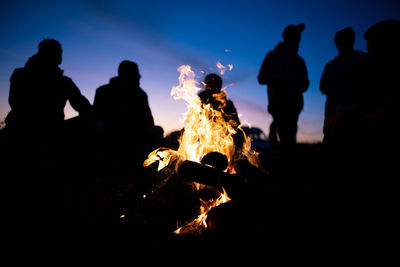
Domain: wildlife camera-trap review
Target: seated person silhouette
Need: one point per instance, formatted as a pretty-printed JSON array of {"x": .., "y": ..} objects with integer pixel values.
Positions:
[
  {"x": 39, "y": 92},
  {"x": 218, "y": 100},
  {"x": 122, "y": 109},
  {"x": 36, "y": 161}
]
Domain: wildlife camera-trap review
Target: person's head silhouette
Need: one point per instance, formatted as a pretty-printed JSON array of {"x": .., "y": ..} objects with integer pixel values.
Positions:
[
  {"x": 383, "y": 40},
  {"x": 128, "y": 71},
  {"x": 292, "y": 36},
  {"x": 50, "y": 51},
  {"x": 213, "y": 82},
  {"x": 344, "y": 40}
]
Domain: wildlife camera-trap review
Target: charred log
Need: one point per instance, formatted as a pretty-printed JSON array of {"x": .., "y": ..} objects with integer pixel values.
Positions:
[
  {"x": 215, "y": 159},
  {"x": 249, "y": 177},
  {"x": 170, "y": 203}
]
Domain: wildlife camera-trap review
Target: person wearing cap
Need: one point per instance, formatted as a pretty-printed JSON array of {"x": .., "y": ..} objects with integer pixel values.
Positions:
[
  {"x": 342, "y": 83},
  {"x": 285, "y": 74}
]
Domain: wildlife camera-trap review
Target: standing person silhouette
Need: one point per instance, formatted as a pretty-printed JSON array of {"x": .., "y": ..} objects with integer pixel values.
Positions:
[
  {"x": 342, "y": 83},
  {"x": 285, "y": 74}
]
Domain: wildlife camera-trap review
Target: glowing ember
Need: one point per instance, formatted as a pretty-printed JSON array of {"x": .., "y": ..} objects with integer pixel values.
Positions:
[{"x": 205, "y": 131}]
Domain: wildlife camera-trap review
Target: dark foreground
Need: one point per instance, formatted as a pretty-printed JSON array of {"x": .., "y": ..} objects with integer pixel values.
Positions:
[{"x": 310, "y": 191}]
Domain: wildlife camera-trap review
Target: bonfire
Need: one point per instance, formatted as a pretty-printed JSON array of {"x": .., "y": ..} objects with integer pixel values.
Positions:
[{"x": 206, "y": 132}]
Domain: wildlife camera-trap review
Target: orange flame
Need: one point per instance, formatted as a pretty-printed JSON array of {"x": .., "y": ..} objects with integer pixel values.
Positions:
[{"x": 205, "y": 131}]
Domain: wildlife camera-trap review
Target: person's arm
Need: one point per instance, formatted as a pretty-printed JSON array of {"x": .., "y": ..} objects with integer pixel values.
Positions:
[
  {"x": 76, "y": 99},
  {"x": 16, "y": 99},
  {"x": 262, "y": 75},
  {"x": 325, "y": 83},
  {"x": 147, "y": 116},
  {"x": 304, "y": 78},
  {"x": 100, "y": 103}
]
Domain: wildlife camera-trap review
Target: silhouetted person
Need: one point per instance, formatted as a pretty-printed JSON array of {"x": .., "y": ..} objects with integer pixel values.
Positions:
[
  {"x": 343, "y": 84},
  {"x": 285, "y": 74},
  {"x": 380, "y": 104},
  {"x": 39, "y": 92},
  {"x": 218, "y": 100},
  {"x": 361, "y": 171},
  {"x": 122, "y": 108},
  {"x": 380, "y": 110},
  {"x": 35, "y": 125}
]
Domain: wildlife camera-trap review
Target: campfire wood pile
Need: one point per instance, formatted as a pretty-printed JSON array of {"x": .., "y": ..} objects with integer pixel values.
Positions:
[
  {"x": 262, "y": 203},
  {"x": 174, "y": 200}
]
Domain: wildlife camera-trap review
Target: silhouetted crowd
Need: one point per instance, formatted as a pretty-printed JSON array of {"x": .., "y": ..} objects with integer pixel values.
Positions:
[
  {"x": 354, "y": 170},
  {"x": 56, "y": 168}
]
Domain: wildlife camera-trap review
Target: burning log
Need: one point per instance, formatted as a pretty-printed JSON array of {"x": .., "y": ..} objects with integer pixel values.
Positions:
[
  {"x": 200, "y": 173},
  {"x": 177, "y": 200},
  {"x": 248, "y": 177},
  {"x": 206, "y": 175},
  {"x": 222, "y": 219},
  {"x": 215, "y": 159}
]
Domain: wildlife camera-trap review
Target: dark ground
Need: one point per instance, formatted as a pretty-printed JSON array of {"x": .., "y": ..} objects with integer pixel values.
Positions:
[{"x": 307, "y": 192}]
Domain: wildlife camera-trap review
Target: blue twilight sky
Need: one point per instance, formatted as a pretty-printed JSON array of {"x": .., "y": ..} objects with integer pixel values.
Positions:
[{"x": 162, "y": 35}]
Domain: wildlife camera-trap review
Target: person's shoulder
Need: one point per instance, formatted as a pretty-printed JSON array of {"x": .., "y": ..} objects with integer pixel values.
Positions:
[
  {"x": 66, "y": 79},
  {"x": 300, "y": 58},
  {"x": 204, "y": 96},
  {"x": 18, "y": 73},
  {"x": 138, "y": 93},
  {"x": 19, "y": 70},
  {"x": 103, "y": 88},
  {"x": 273, "y": 54},
  {"x": 299, "y": 61},
  {"x": 202, "y": 93},
  {"x": 108, "y": 87},
  {"x": 142, "y": 91},
  {"x": 68, "y": 83},
  {"x": 333, "y": 63},
  {"x": 360, "y": 55}
]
